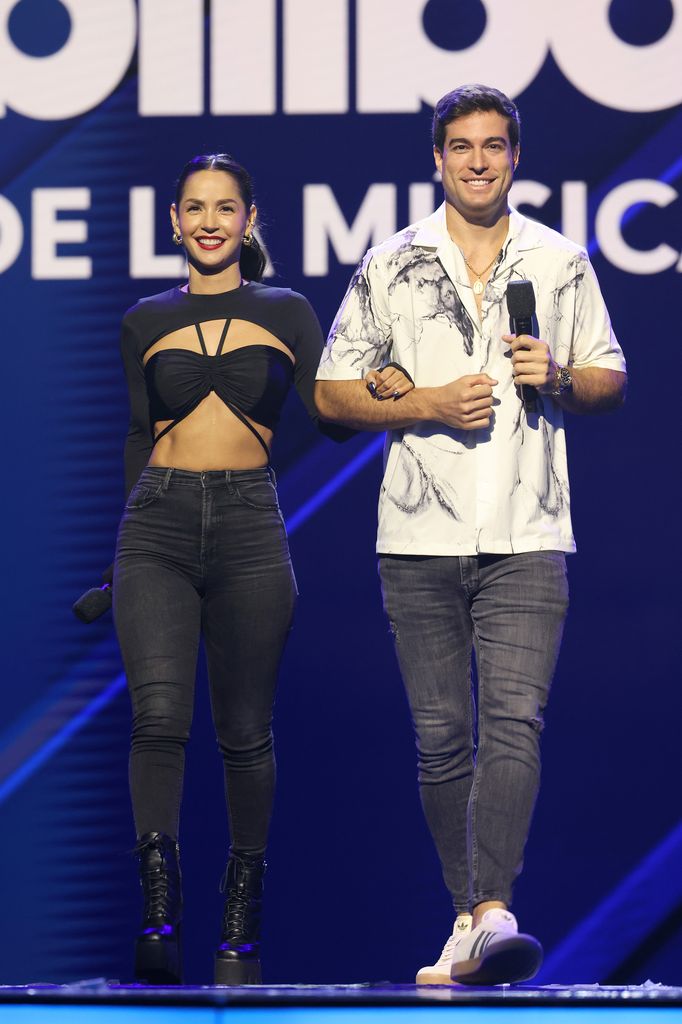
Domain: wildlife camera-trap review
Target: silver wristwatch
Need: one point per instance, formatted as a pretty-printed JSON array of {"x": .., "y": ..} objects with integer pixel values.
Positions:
[{"x": 563, "y": 381}]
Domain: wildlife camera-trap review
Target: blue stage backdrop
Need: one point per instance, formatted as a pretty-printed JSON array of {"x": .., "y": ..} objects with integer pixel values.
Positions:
[{"x": 328, "y": 103}]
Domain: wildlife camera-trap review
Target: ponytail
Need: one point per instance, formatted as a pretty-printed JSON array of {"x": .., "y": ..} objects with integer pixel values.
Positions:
[{"x": 252, "y": 260}]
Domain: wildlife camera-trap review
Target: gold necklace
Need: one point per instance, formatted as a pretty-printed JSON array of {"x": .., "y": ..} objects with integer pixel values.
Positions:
[{"x": 478, "y": 284}]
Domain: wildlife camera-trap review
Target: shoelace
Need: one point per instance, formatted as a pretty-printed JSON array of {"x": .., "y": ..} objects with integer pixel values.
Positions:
[
  {"x": 158, "y": 896},
  {"x": 446, "y": 955},
  {"x": 236, "y": 911},
  {"x": 158, "y": 885},
  {"x": 241, "y": 902}
]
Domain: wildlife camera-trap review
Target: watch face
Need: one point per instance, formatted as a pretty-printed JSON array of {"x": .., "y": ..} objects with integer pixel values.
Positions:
[{"x": 563, "y": 381}]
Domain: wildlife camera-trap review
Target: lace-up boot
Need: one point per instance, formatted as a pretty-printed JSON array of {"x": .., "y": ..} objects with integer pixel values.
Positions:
[
  {"x": 158, "y": 958},
  {"x": 237, "y": 959}
]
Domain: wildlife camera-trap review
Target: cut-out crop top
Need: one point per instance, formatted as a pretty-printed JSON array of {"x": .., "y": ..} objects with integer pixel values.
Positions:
[{"x": 252, "y": 380}]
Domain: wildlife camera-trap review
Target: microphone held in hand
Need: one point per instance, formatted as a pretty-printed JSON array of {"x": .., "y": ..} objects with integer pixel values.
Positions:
[
  {"x": 521, "y": 307},
  {"x": 93, "y": 603},
  {"x": 97, "y": 600}
]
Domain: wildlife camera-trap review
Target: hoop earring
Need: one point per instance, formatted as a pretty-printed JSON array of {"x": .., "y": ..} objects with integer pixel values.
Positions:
[
  {"x": 177, "y": 238},
  {"x": 248, "y": 240}
]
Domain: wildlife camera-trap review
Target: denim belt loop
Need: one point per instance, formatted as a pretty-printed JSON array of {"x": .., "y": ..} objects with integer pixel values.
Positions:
[
  {"x": 167, "y": 479},
  {"x": 272, "y": 475}
]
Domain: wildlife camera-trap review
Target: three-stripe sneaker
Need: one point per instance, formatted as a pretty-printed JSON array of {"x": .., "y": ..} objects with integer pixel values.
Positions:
[
  {"x": 494, "y": 953},
  {"x": 439, "y": 973}
]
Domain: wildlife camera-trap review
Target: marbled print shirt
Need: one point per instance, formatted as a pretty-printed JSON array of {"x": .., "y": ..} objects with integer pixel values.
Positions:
[{"x": 454, "y": 492}]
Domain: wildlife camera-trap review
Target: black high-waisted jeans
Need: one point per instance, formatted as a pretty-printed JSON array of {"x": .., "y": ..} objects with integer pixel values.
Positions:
[{"x": 203, "y": 553}]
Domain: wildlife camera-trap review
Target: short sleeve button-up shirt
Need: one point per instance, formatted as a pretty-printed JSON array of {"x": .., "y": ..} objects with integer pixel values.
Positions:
[{"x": 447, "y": 491}]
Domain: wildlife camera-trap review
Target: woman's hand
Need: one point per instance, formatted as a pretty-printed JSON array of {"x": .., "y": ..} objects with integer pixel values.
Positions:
[{"x": 391, "y": 382}]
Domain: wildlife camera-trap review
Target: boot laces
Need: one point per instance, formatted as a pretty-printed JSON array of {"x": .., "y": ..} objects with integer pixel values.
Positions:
[
  {"x": 241, "y": 903},
  {"x": 236, "y": 912},
  {"x": 157, "y": 890},
  {"x": 158, "y": 883}
]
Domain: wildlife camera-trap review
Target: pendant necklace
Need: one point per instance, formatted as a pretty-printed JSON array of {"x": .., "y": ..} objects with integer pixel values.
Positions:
[{"x": 478, "y": 284}]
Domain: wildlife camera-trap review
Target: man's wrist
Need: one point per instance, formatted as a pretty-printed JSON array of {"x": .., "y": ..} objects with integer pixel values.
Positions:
[
  {"x": 424, "y": 404},
  {"x": 560, "y": 381},
  {"x": 563, "y": 381},
  {"x": 416, "y": 406}
]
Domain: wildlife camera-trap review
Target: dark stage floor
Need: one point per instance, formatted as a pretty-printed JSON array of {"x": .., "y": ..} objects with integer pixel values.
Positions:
[{"x": 98, "y": 1002}]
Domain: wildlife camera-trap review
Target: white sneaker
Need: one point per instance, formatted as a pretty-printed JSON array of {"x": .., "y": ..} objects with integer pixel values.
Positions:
[
  {"x": 439, "y": 973},
  {"x": 494, "y": 953}
]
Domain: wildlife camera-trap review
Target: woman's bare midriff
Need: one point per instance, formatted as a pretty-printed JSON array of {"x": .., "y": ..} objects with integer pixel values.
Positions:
[{"x": 211, "y": 437}]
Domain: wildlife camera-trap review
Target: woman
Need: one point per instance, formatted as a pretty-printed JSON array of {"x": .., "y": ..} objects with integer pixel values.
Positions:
[{"x": 202, "y": 547}]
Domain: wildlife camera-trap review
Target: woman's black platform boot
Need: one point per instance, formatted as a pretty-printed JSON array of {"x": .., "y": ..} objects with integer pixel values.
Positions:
[
  {"x": 237, "y": 960},
  {"x": 158, "y": 956}
]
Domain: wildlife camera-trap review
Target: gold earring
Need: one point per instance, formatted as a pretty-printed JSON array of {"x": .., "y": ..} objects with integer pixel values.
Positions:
[
  {"x": 177, "y": 238},
  {"x": 248, "y": 240}
]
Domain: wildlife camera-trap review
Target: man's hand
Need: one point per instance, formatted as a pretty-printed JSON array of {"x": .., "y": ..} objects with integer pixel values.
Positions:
[
  {"x": 465, "y": 403},
  {"x": 532, "y": 362},
  {"x": 595, "y": 388}
]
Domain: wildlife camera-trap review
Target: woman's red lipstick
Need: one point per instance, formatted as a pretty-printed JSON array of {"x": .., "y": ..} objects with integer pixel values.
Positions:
[{"x": 209, "y": 243}]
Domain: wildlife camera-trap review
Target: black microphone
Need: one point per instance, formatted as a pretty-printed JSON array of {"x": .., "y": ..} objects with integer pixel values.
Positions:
[
  {"x": 93, "y": 603},
  {"x": 521, "y": 307},
  {"x": 97, "y": 600}
]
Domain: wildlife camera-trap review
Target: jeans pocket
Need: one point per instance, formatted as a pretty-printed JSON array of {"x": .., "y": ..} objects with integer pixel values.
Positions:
[
  {"x": 143, "y": 495},
  {"x": 259, "y": 494}
]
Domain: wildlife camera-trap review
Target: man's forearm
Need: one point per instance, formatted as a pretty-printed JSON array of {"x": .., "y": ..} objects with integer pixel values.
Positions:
[
  {"x": 595, "y": 389},
  {"x": 349, "y": 402}
]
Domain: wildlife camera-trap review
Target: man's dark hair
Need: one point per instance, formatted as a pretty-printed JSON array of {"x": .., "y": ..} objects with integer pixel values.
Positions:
[{"x": 469, "y": 99}]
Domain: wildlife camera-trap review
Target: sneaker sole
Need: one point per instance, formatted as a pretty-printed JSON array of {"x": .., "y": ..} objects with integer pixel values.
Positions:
[
  {"x": 434, "y": 979},
  {"x": 511, "y": 961}
]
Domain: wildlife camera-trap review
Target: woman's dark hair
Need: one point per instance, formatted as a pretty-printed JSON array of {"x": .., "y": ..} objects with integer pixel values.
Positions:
[
  {"x": 252, "y": 259},
  {"x": 469, "y": 99}
]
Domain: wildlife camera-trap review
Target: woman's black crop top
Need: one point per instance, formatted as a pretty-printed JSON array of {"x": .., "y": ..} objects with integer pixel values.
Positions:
[{"x": 253, "y": 381}]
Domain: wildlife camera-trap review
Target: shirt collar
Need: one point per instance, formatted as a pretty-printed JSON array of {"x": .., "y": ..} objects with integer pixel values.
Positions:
[
  {"x": 523, "y": 233},
  {"x": 432, "y": 235}
]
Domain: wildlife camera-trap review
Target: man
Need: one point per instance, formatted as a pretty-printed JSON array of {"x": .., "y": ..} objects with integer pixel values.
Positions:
[{"x": 474, "y": 520}]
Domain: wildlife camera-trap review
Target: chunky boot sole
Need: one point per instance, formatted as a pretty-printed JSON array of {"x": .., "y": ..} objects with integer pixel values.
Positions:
[
  {"x": 237, "y": 972},
  {"x": 158, "y": 963}
]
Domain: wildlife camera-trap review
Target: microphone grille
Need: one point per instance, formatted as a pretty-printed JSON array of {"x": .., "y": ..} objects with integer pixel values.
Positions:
[
  {"x": 92, "y": 604},
  {"x": 520, "y": 299}
]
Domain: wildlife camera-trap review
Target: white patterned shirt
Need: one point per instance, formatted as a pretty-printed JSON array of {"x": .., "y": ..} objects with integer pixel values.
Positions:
[{"x": 503, "y": 489}]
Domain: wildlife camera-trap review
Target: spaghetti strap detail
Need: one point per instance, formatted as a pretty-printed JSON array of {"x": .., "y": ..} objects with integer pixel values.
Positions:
[
  {"x": 222, "y": 337},
  {"x": 237, "y": 413},
  {"x": 165, "y": 430},
  {"x": 240, "y": 416},
  {"x": 201, "y": 339}
]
